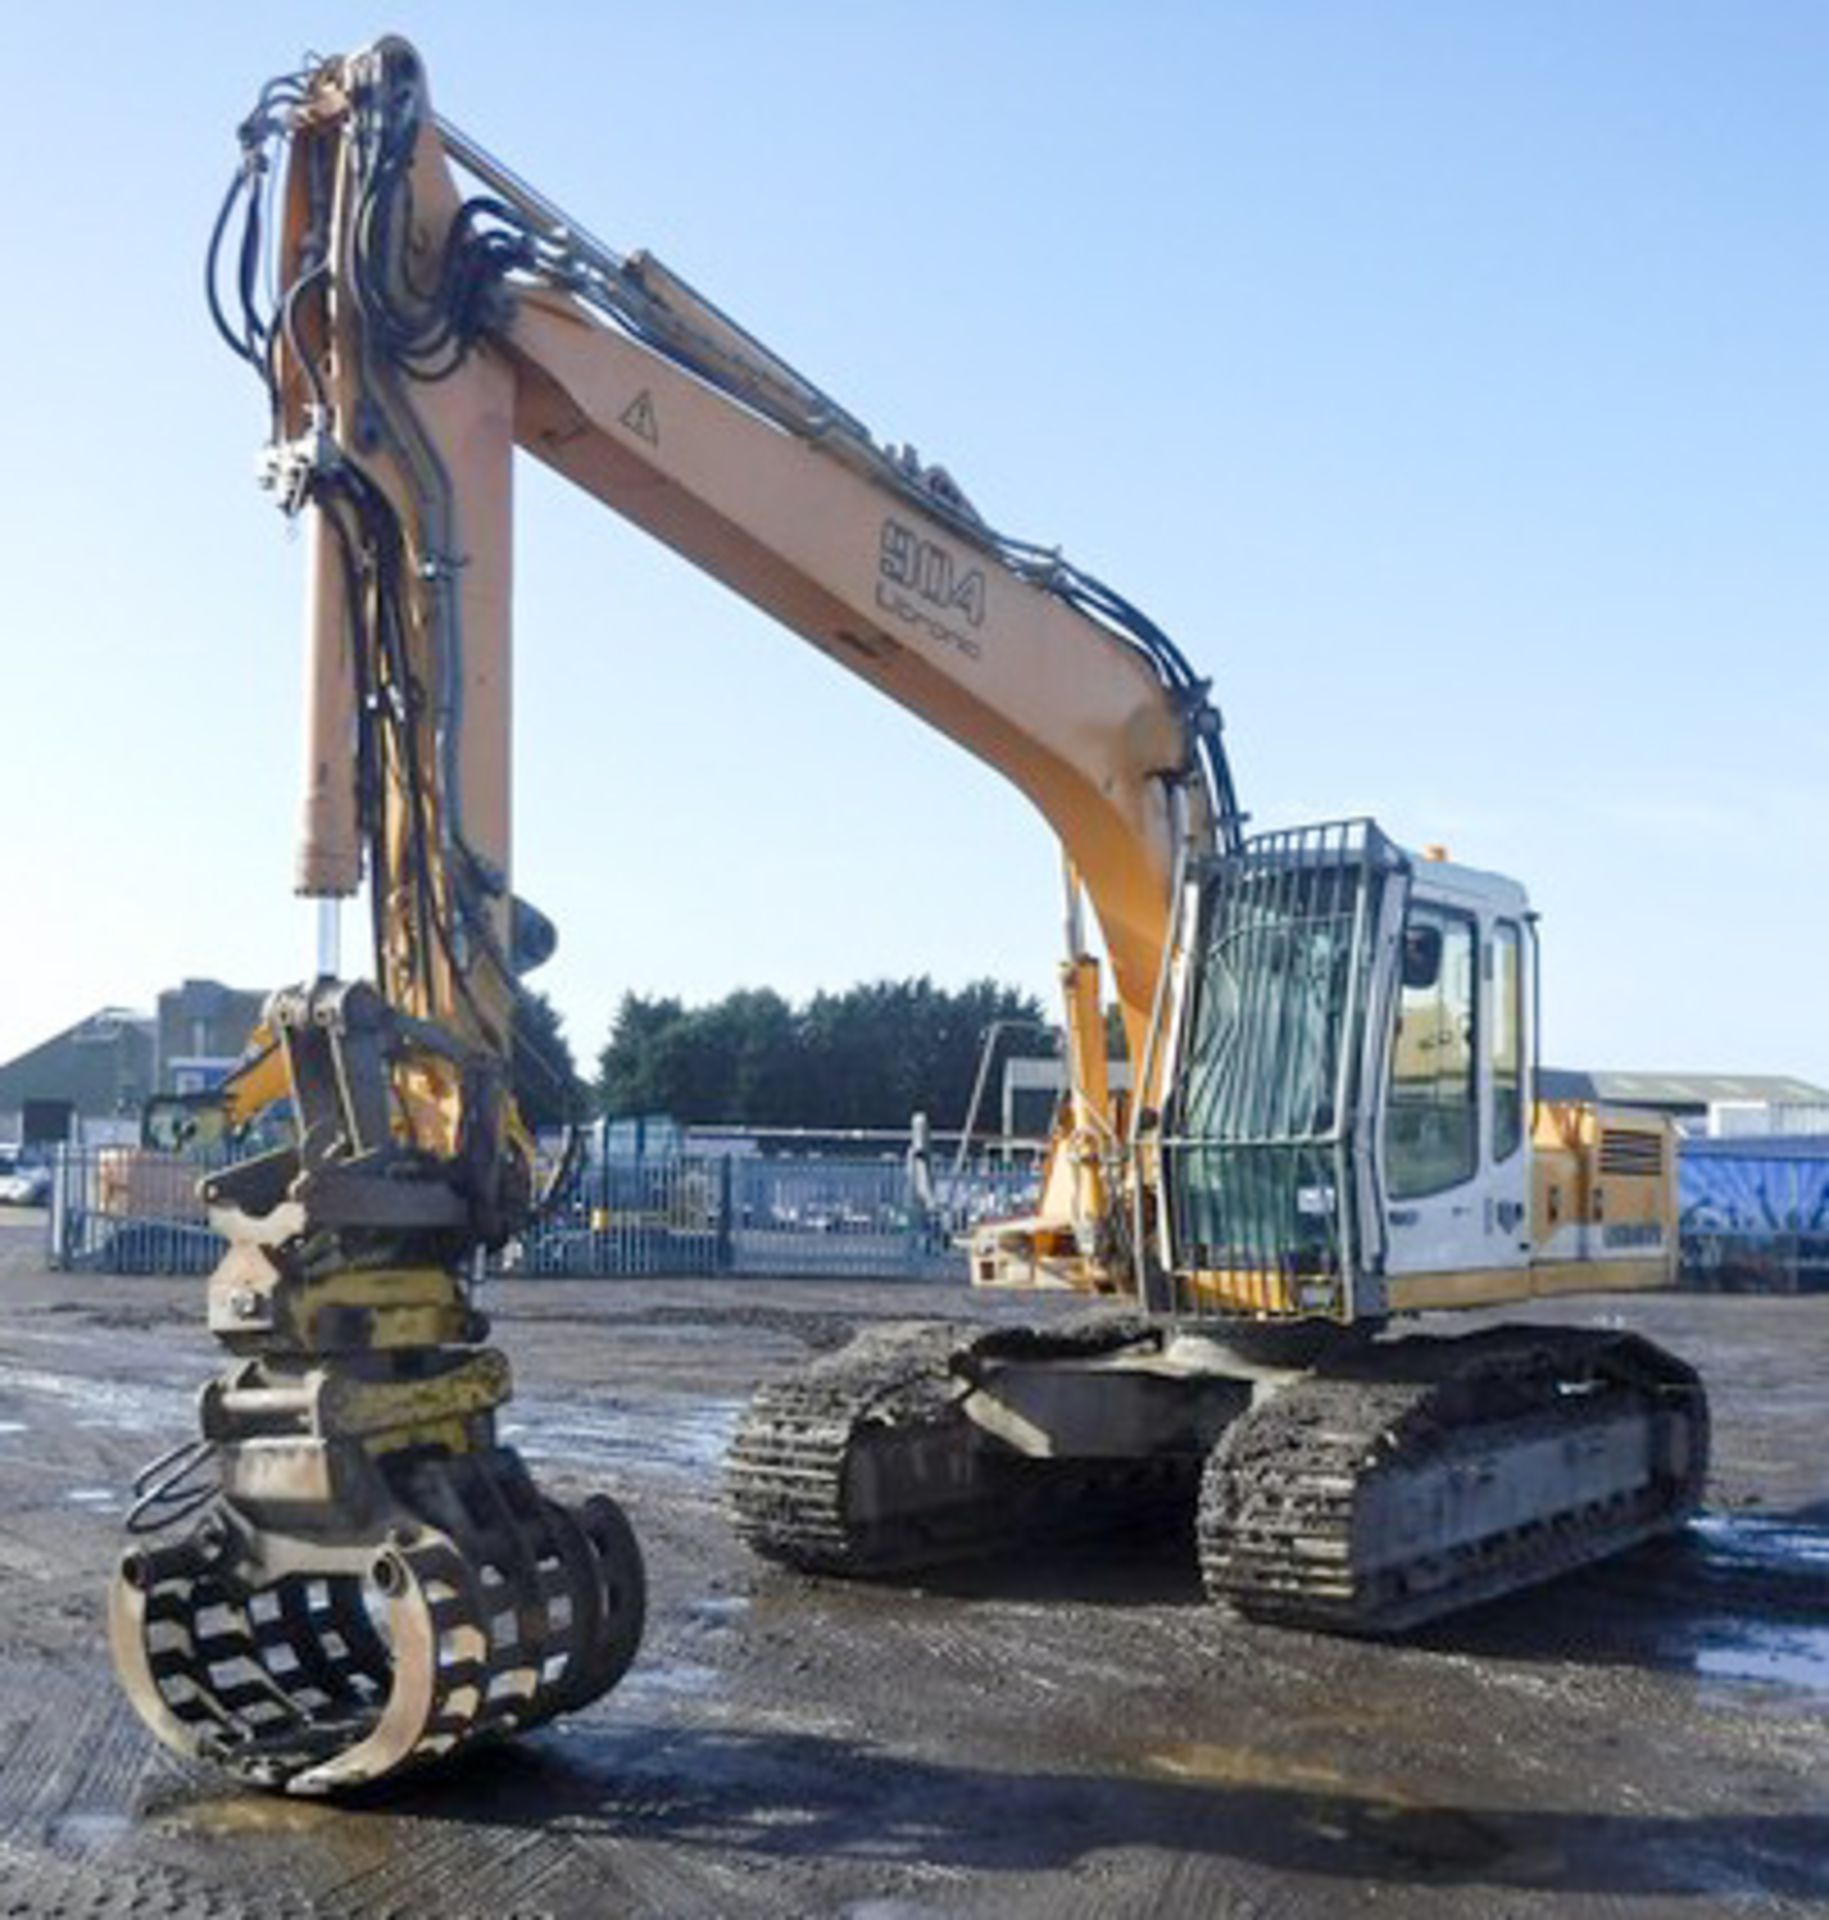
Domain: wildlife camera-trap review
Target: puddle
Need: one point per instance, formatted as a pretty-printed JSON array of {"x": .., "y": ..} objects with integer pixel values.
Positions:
[
  {"x": 249, "y": 1813},
  {"x": 718, "y": 1609},
  {"x": 1773, "y": 1576},
  {"x": 1778, "y": 1545},
  {"x": 348, "y": 1848},
  {"x": 93, "y": 1497},
  {"x": 137, "y": 1406},
  {"x": 1770, "y": 1656},
  {"x": 679, "y": 1677},
  {"x": 691, "y": 1438},
  {"x": 1369, "y": 1817},
  {"x": 14, "y": 1426},
  {"x": 1242, "y": 1767},
  {"x": 1446, "y": 1839},
  {"x": 670, "y": 1333},
  {"x": 90, "y": 1832}
]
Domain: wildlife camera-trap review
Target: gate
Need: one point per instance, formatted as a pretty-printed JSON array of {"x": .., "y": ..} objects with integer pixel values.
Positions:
[{"x": 129, "y": 1210}]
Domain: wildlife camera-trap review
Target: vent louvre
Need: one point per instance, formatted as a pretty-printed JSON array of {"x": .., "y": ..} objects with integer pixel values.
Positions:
[{"x": 1631, "y": 1153}]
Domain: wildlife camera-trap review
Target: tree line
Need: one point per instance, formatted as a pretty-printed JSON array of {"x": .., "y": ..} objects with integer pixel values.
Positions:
[{"x": 866, "y": 1057}]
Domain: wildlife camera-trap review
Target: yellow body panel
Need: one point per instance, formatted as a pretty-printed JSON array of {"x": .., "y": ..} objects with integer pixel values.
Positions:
[
  {"x": 1504, "y": 1286},
  {"x": 1603, "y": 1214},
  {"x": 1603, "y": 1187},
  {"x": 1604, "y": 1221},
  {"x": 1070, "y": 715},
  {"x": 1242, "y": 1290}
]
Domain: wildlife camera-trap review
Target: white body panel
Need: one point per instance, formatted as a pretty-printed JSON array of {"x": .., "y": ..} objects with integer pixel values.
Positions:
[{"x": 1482, "y": 1221}]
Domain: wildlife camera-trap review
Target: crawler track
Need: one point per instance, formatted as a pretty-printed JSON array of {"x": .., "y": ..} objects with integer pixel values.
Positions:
[
  {"x": 1390, "y": 1488},
  {"x": 1426, "y": 1475},
  {"x": 865, "y": 1462}
]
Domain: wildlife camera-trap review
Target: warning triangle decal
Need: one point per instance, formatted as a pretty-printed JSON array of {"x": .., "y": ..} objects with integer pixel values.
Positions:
[{"x": 638, "y": 417}]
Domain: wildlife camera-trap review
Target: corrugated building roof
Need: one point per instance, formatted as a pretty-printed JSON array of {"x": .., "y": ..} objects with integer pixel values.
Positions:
[{"x": 1697, "y": 1090}]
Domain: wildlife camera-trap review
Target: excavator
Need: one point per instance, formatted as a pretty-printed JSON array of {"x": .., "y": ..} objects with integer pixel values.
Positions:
[{"x": 1331, "y": 1124}]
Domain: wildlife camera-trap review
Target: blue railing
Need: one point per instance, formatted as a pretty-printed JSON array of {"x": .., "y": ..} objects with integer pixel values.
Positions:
[{"x": 1754, "y": 1215}]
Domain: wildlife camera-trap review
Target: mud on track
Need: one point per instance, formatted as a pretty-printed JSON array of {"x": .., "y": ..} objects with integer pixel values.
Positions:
[{"x": 1067, "y": 1734}]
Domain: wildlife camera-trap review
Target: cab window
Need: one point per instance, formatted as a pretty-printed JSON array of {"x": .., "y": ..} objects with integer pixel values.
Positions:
[
  {"x": 1432, "y": 1135},
  {"x": 1507, "y": 1041}
]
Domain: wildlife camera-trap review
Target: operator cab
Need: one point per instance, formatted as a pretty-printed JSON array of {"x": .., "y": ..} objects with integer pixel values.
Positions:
[{"x": 1349, "y": 1065}]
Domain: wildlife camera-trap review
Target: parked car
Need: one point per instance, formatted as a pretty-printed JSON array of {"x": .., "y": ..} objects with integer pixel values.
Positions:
[{"x": 24, "y": 1181}]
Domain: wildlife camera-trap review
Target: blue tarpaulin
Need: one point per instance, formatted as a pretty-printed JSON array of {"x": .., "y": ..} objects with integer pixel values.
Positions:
[
  {"x": 1774, "y": 1185},
  {"x": 1755, "y": 1211}
]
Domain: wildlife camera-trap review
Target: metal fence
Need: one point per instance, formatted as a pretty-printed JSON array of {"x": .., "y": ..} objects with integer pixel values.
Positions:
[
  {"x": 127, "y": 1210},
  {"x": 1755, "y": 1214}
]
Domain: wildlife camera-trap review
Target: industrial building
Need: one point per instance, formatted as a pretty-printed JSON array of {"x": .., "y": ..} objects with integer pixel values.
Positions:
[
  {"x": 100, "y": 1069},
  {"x": 1712, "y": 1103},
  {"x": 91, "y": 1080}
]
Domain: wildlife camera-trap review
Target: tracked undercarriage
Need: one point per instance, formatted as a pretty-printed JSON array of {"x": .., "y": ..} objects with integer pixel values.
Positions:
[
  {"x": 1389, "y": 1484},
  {"x": 1420, "y": 1477},
  {"x": 873, "y": 1460}
]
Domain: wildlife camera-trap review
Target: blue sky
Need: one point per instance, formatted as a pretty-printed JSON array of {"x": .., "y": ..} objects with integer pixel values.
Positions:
[{"x": 1452, "y": 380}]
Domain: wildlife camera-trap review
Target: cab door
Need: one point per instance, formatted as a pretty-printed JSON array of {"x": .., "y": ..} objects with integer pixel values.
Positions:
[{"x": 1455, "y": 1164}]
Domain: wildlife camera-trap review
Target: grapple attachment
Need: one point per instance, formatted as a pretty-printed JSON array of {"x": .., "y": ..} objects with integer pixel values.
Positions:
[
  {"x": 347, "y": 1574},
  {"x": 470, "y": 1606}
]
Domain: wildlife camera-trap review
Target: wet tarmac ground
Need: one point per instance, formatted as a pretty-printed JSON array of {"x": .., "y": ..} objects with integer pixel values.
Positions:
[{"x": 1070, "y": 1733}]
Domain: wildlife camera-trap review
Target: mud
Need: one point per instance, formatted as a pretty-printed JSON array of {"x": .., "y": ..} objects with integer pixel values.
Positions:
[{"x": 1062, "y": 1734}]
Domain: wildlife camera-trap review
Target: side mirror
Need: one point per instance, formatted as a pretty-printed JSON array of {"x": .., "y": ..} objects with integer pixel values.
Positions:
[
  {"x": 183, "y": 1122},
  {"x": 1422, "y": 956}
]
